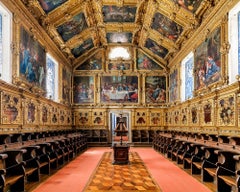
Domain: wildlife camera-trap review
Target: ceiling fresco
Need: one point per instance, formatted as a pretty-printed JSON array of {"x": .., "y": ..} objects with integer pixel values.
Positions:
[{"x": 156, "y": 27}]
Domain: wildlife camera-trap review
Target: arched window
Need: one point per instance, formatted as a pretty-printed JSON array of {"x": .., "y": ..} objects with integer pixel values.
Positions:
[
  {"x": 187, "y": 77},
  {"x": 234, "y": 52},
  {"x": 52, "y": 78},
  {"x": 5, "y": 42}
]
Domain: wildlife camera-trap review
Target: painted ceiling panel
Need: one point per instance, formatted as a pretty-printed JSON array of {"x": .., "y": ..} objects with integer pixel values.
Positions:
[{"x": 78, "y": 26}]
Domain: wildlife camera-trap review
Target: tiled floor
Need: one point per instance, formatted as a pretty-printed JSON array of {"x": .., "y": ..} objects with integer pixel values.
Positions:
[{"x": 131, "y": 177}]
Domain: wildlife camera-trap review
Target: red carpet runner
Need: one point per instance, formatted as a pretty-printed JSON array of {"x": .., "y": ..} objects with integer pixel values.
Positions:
[{"x": 75, "y": 175}]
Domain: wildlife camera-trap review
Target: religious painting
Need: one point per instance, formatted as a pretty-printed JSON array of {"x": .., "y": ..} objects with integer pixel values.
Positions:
[
  {"x": 190, "y": 5},
  {"x": 155, "y": 89},
  {"x": 194, "y": 115},
  {"x": 184, "y": 115},
  {"x": 207, "y": 110},
  {"x": 32, "y": 60},
  {"x": 44, "y": 115},
  {"x": 82, "y": 48},
  {"x": 83, "y": 89},
  {"x": 116, "y": 65},
  {"x": 31, "y": 113},
  {"x": 124, "y": 37},
  {"x": 145, "y": 63},
  {"x": 166, "y": 27},
  {"x": 227, "y": 111},
  {"x": 173, "y": 86},
  {"x": 11, "y": 113},
  {"x": 72, "y": 27},
  {"x": 119, "y": 89},
  {"x": 49, "y": 5},
  {"x": 155, "y": 48},
  {"x": 119, "y": 14},
  {"x": 189, "y": 80},
  {"x": 54, "y": 115},
  {"x": 66, "y": 85},
  {"x": 94, "y": 63},
  {"x": 208, "y": 61}
]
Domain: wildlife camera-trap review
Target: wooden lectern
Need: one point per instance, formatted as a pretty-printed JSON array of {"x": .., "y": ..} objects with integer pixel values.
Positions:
[{"x": 121, "y": 150}]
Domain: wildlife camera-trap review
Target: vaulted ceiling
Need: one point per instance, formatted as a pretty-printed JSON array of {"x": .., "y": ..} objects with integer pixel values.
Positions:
[{"x": 158, "y": 27}]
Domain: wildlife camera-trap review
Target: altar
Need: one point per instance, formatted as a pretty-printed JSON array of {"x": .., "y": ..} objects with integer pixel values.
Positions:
[{"x": 121, "y": 154}]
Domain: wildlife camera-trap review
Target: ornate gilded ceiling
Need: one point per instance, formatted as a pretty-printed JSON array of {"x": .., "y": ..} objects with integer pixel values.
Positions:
[{"x": 158, "y": 27}]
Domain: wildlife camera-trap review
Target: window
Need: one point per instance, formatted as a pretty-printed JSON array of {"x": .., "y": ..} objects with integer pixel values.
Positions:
[
  {"x": 5, "y": 41},
  {"x": 187, "y": 77},
  {"x": 234, "y": 52},
  {"x": 119, "y": 52},
  {"x": 52, "y": 78}
]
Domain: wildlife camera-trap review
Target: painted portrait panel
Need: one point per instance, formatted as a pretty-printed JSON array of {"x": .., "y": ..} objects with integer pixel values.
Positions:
[
  {"x": 49, "y": 5},
  {"x": 119, "y": 37},
  {"x": 32, "y": 60},
  {"x": 155, "y": 89},
  {"x": 94, "y": 63},
  {"x": 173, "y": 86},
  {"x": 72, "y": 27},
  {"x": 85, "y": 46},
  {"x": 166, "y": 27},
  {"x": 208, "y": 61},
  {"x": 66, "y": 85},
  {"x": 227, "y": 111},
  {"x": 10, "y": 105},
  {"x": 119, "y": 14},
  {"x": 145, "y": 63},
  {"x": 118, "y": 66},
  {"x": 119, "y": 89},
  {"x": 83, "y": 89},
  {"x": 155, "y": 48},
  {"x": 190, "y": 5}
]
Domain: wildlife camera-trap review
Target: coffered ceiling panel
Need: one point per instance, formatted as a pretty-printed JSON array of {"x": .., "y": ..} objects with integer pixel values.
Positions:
[{"x": 157, "y": 27}]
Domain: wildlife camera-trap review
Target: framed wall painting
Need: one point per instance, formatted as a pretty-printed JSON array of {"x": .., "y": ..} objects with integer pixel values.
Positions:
[
  {"x": 226, "y": 110},
  {"x": 11, "y": 112},
  {"x": 82, "y": 48},
  {"x": 66, "y": 84},
  {"x": 207, "y": 60},
  {"x": 32, "y": 67},
  {"x": 119, "y": 65},
  {"x": 145, "y": 63},
  {"x": 155, "y": 89},
  {"x": 119, "y": 89},
  {"x": 83, "y": 89},
  {"x": 31, "y": 112},
  {"x": 94, "y": 63}
]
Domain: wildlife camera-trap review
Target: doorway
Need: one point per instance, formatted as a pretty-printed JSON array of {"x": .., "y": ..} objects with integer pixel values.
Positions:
[{"x": 114, "y": 116}]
